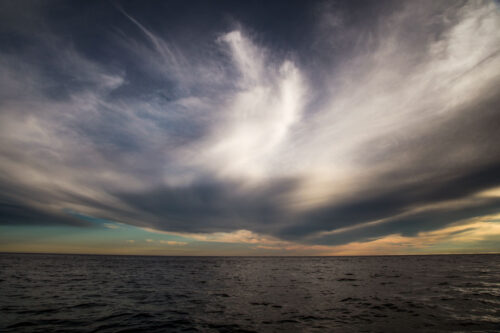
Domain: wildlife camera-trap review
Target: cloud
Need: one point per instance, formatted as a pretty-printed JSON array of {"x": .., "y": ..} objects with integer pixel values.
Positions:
[
  {"x": 472, "y": 237},
  {"x": 372, "y": 128},
  {"x": 173, "y": 243},
  {"x": 241, "y": 236}
]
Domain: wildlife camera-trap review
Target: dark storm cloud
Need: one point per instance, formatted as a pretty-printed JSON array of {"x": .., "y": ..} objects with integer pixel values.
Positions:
[
  {"x": 208, "y": 206},
  {"x": 400, "y": 201},
  {"x": 412, "y": 225},
  {"x": 29, "y": 206},
  {"x": 319, "y": 122},
  {"x": 20, "y": 214}
]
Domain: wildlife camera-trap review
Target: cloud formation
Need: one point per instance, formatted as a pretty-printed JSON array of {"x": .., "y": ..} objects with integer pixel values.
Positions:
[{"x": 367, "y": 127}]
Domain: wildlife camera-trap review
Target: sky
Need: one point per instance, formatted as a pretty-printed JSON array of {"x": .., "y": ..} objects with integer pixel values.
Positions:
[{"x": 250, "y": 127}]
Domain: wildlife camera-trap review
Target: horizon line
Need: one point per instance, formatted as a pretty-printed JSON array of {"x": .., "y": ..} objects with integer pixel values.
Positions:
[{"x": 254, "y": 256}]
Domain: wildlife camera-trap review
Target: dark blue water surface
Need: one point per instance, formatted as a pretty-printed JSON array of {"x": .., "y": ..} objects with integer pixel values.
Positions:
[{"x": 80, "y": 293}]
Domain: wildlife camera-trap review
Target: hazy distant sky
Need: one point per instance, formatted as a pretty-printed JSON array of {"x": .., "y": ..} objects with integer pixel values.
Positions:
[{"x": 250, "y": 127}]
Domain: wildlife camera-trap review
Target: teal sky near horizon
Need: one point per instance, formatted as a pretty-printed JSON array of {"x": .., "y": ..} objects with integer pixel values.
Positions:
[
  {"x": 107, "y": 237},
  {"x": 227, "y": 128}
]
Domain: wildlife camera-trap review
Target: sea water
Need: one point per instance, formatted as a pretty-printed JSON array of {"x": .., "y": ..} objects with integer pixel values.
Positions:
[{"x": 94, "y": 293}]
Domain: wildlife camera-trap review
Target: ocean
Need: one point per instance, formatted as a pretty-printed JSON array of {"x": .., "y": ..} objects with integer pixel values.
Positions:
[{"x": 98, "y": 293}]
